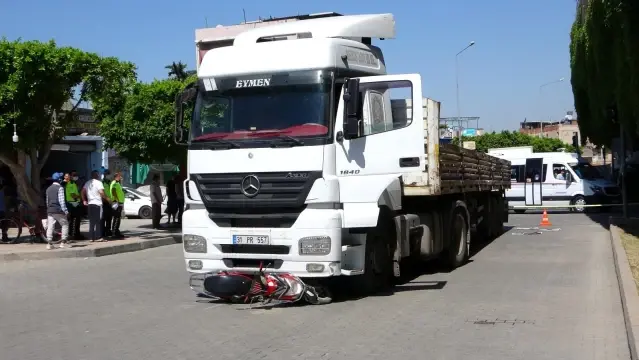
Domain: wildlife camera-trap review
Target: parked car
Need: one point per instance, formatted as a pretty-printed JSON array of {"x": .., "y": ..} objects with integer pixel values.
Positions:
[
  {"x": 146, "y": 189},
  {"x": 138, "y": 204}
]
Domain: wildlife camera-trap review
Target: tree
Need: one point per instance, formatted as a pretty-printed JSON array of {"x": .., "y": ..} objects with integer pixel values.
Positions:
[
  {"x": 511, "y": 139},
  {"x": 177, "y": 70},
  {"x": 36, "y": 80},
  {"x": 143, "y": 128},
  {"x": 604, "y": 60}
]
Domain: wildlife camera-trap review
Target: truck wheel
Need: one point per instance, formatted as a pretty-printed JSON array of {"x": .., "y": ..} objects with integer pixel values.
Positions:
[
  {"x": 378, "y": 261},
  {"x": 459, "y": 240}
]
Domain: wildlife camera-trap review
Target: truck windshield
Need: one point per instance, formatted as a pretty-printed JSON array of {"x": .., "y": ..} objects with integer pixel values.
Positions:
[
  {"x": 250, "y": 113},
  {"x": 586, "y": 171}
]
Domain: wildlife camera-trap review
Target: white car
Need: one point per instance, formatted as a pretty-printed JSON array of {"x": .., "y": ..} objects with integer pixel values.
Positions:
[
  {"x": 138, "y": 204},
  {"x": 146, "y": 189}
]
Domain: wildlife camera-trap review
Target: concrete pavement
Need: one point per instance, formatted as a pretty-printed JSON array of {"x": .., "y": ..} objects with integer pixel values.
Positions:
[
  {"x": 549, "y": 296},
  {"x": 138, "y": 236}
]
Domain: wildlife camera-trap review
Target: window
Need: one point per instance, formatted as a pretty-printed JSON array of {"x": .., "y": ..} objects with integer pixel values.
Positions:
[
  {"x": 386, "y": 106},
  {"x": 533, "y": 174},
  {"x": 586, "y": 171},
  {"x": 559, "y": 171},
  {"x": 517, "y": 173},
  {"x": 253, "y": 111}
]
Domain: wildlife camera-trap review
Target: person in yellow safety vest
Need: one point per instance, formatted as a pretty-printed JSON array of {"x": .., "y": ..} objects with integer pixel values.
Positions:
[
  {"x": 74, "y": 204},
  {"x": 117, "y": 195},
  {"x": 107, "y": 210}
]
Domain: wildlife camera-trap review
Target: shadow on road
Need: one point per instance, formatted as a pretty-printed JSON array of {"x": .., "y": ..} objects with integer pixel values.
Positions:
[
  {"x": 411, "y": 271},
  {"x": 164, "y": 226}
]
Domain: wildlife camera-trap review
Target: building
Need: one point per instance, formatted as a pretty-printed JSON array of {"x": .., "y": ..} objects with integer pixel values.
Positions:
[
  {"x": 81, "y": 149},
  {"x": 563, "y": 130}
]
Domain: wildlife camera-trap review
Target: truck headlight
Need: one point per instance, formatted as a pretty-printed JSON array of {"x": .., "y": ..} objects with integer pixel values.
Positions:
[
  {"x": 596, "y": 189},
  {"x": 315, "y": 245},
  {"x": 194, "y": 243}
]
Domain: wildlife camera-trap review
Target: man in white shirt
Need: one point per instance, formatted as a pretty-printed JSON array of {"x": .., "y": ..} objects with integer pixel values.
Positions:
[{"x": 92, "y": 196}]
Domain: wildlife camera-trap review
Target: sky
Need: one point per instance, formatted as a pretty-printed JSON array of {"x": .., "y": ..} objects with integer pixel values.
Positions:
[{"x": 519, "y": 46}]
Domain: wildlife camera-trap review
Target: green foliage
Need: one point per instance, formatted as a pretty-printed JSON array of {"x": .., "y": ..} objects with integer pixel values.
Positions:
[
  {"x": 143, "y": 129},
  {"x": 604, "y": 60},
  {"x": 36, "y": 80},
  {"x": 177, "y": 70},
  {"x": 511, "y": 139}
]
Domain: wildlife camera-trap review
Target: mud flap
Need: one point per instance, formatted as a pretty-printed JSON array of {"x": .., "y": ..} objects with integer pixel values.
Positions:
[{"x": 403, "y": 225}]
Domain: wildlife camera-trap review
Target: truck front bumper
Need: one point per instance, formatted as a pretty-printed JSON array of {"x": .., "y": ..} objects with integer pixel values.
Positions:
[{"x": 284, "y": 253}]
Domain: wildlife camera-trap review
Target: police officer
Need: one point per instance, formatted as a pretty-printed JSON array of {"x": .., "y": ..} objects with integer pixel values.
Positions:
[
  {"x": 117, "y": 195},
  {"x": 74, "y": 204},
  {"x": 107, "y": 210}
]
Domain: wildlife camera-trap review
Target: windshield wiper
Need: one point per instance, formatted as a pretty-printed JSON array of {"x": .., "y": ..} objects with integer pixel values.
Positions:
[
  {"x": 286, "y": 140},
  {"x": 214, "y": 144}
]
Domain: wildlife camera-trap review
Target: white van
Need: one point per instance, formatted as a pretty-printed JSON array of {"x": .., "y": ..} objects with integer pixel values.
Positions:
[{"x": 554, "y": 179}]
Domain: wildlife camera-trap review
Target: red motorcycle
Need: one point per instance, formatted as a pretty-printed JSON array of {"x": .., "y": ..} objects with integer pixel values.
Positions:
[{"x": 265, "y": 288}]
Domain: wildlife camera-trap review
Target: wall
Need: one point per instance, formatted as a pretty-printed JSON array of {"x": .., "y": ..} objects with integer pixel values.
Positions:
[{"x": 563, "y": 132}]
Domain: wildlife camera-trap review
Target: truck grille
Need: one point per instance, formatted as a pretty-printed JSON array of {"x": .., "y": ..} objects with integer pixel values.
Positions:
[{"x": 273, "y": 199}]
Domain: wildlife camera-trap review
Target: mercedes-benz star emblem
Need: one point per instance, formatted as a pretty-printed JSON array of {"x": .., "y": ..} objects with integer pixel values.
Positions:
[{"x": 250, "y": 186}]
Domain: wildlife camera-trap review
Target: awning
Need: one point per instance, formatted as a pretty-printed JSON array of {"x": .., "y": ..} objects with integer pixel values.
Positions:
[{"x": 73, "y": 147}]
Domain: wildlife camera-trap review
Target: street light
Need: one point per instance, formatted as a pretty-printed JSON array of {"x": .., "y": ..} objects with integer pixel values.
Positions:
[
  {"x": 550, "y": 83},
  {"x": 457, "y": 73},
  {"x": 541, "y": 87}
]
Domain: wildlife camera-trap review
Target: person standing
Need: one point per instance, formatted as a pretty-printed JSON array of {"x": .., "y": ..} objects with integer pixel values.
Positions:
[
  {"x": 156, "y": 201},
  {"x": 117, "y": 195},
  {"x": 171, "y": 201},
  {"x": 179, "y": 195},
  {"x": 74, "y": 204},
  {"x": 107, "y": 215},
  {"x": 3, "y": 212},
  {"x": 93, "y": 196},
  {"x": 57, "y": 211}
]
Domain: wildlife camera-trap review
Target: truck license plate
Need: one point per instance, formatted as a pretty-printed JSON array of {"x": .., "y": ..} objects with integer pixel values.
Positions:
[{"x": 251, "y": 240}]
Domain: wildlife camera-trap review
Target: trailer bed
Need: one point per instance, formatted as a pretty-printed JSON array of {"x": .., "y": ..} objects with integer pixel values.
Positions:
[
  {"x": 450, "y": 169},
  {"x": 459, "y": 170},
  {"x": 463, "y": 170}
]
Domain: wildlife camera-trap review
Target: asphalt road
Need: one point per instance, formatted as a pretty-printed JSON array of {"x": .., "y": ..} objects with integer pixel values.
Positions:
[{"x": 548, "y": 296}]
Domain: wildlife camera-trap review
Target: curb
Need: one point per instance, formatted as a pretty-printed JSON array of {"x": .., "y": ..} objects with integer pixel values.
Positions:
[
  {"x": 627, "y": 288},
  {"x": 93, "y": 252}
]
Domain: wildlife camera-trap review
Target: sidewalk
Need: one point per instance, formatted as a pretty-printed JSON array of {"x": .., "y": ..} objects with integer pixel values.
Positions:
[{"x": 138, "y": 236}]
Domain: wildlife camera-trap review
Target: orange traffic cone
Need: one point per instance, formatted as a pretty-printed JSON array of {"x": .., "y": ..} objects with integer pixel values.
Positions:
[{"x": 544, "y": 220}]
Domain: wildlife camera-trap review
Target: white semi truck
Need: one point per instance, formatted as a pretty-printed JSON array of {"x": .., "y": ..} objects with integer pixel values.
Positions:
[{"x": 306, "y": 157}]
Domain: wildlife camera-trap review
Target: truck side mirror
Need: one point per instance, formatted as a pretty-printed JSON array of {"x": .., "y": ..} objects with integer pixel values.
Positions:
[
  {"x": 181, "y": 133},
  {"x": 352, "y": 109}
]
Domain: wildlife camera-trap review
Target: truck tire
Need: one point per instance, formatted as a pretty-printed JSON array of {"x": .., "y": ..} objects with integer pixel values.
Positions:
[
  {"x": 378, "y": 260},
  {"x": 459, "y": 240}
]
